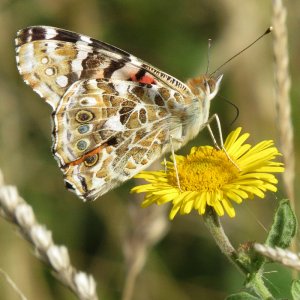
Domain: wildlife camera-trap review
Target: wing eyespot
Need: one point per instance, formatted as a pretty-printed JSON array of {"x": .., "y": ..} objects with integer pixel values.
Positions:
[
  {"x": 84, "y": 116},
  {"x": 84, "y": 128},
  {"x": 82, "y": 145},
  {"x": 91, "y": 160}
]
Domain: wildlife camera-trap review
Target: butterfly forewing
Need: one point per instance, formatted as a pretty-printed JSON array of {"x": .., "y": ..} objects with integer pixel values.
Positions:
[{"x": 51, "y": 59}]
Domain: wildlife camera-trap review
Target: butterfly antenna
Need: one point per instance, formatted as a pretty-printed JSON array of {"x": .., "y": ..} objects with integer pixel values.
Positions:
[
  {"x": 234, "y": 106},
  {"x": 240, "y": 52},
  {"x": 208, "y": 56}
]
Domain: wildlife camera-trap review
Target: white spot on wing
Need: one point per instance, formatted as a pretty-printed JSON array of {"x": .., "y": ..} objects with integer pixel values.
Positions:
[
  {"x": 88, "y": 101},
  {"x": 135, "y": 60},
  {"x": 50, "y": 33},
  {"x": 121, "y": 88},
  {"x": 77, "y": 65},
  {"x": 82, "y": 54},
  {"x": 62, "y": 81},
  {"x": 50, "y": 46},
  {"x": 45, "y": 60},
  {"x": 85, "y": 39},
  {"x": 49, "y": 71},
  {"x": 113, "y": 123}
]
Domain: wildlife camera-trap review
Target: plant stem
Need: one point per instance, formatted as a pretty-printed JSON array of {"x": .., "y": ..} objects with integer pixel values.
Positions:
[
  {"x": 213, "y": 224},
  {"x": 258, "y": 285},
  {"x": 254, "y": 281}
]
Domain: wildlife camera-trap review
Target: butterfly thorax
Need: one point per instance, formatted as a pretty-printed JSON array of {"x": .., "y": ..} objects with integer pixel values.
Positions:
[{"x": 204, "y": 89}]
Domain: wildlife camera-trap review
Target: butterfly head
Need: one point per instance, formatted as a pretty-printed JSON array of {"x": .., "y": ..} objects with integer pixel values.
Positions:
[{"x": 205, "y": 87}]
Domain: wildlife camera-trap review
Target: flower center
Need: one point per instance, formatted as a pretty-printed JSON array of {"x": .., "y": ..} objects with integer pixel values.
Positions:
[{"x": 206, "y": 169}]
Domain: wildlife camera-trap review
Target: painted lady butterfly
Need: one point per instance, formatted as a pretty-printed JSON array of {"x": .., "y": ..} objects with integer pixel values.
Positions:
[{"x": 113, "y": 114}]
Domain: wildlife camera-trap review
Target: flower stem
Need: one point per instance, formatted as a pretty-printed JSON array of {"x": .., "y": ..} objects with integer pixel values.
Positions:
[{"x": 214, "y": 226}]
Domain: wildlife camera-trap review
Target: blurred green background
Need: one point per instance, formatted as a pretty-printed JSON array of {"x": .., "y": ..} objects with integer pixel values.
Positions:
[{"x": 172, "y": 35}]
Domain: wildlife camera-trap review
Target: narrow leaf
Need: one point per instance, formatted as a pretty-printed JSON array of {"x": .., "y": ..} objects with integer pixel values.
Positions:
[{"x": 284, "y": 226}]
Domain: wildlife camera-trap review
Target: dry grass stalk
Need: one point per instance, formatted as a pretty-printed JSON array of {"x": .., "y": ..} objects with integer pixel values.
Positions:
[
  {"x": 283, "y": 83},
  {"x": 148, "y": 226},
  {"x": 13, "y": 285},
  {"x": 283, "y": 256},
  {"x": 15, "y": 210}
]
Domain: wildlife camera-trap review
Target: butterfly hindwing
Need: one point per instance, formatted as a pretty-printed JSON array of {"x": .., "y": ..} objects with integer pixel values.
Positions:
[{"x": 107, "y": 131}]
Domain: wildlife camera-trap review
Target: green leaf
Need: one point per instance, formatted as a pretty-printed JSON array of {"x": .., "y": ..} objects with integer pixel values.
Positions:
[
  {"x": 281, "y": 233},
  {"x": 295, "y": 290},
  {"x": 284, "y": 226},
  {"x": 242, "y": 296}
]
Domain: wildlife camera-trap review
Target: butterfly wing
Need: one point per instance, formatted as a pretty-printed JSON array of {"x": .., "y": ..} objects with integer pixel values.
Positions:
[
  {"x": 107, "y": 131},
  {"x": 52, "y": 59},
  {"x": 113, "y": 113}
]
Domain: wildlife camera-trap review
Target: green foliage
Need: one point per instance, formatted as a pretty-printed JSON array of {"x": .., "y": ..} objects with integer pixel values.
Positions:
[
  {"x": 282, "y": 231},
  {"x": 242, "y": 296},
  {"x": 284, "y": 226},
  {"x": 295, "y": 290}
]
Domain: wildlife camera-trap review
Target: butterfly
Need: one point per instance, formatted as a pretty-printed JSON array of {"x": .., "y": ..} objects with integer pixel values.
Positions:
[{"x": 113, "y": 114}]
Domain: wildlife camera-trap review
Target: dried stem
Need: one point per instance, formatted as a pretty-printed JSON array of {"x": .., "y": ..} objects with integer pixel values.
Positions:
[
  {"x": 283, "y": 256},
  {"x": 147, "y": 228},
  {"x": 283, "y": 83},
  {"x": 15, "y": 210},
  {"x": 13, "y": 285}
]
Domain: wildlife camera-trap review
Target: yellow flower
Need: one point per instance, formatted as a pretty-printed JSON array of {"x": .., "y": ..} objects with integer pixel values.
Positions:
[{"x": 207, "y": 177}]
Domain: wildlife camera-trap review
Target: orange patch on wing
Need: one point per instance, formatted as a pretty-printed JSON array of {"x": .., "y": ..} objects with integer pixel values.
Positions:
[
  {"x": 145, "y": 79},
  {"x": 91, "y": 153}
]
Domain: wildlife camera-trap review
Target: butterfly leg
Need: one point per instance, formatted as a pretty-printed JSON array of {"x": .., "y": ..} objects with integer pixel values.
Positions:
[
  {"x": 165, "y": 165},
  {"x": 216, "y": 118},
  {"x": 174, "y": 160}
]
